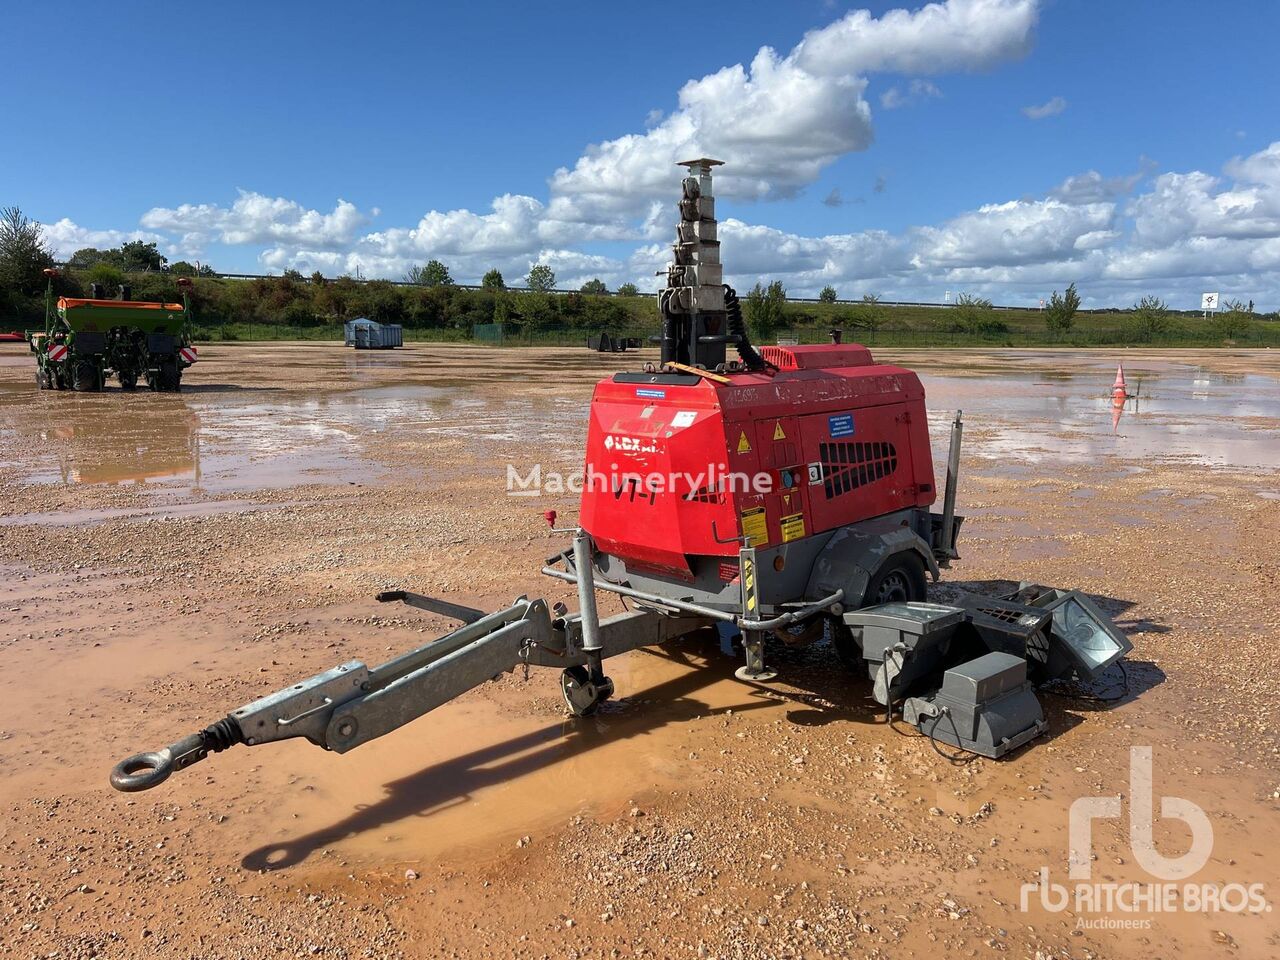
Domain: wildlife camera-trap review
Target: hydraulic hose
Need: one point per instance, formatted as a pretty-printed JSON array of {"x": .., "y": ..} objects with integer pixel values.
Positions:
[{"x": 749, "y": 355}]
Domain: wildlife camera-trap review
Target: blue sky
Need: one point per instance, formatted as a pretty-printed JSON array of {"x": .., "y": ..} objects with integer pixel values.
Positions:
[{"x": 887, "y": 152}]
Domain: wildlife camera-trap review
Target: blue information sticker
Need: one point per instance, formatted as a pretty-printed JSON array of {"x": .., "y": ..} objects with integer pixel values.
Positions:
[
  {"x": 651, "y": 394},
  {"x": 841, "y": 425}
]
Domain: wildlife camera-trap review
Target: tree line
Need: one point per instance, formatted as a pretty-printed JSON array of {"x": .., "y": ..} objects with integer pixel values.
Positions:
[{"x": 431, "y": 299}]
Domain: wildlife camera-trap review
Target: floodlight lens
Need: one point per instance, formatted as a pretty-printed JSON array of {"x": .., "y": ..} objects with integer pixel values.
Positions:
[{"x": 1074, "y": 624}]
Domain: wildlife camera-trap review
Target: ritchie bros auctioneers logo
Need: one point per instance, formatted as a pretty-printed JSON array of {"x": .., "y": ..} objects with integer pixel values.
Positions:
[{"x": 1085, "y": 897}]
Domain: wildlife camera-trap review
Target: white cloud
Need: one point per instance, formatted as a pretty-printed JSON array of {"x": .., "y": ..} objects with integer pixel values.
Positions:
[
  {"x": 1050, "y": 108},
  {"x": 837, "y": 199},
  {"x": 781, "y": 120},
  {"x": 257, "y": 219},
  {"x": 1017, "y": 232},
  {"x": 573, "y": 268},
  {"x": 776, "y": 124},
  {"x": 940, "y": 37},
  {"x": 66, "y": 237},
  {"x": 915, "y": 91},
  {"x": 1179, "y": 232},
  {"x": 1186, "y": 232},
  {"x": 1093, "y": 187},
  {"x": 1118, "y": 236},
  {"x": 1262, "y": 167},
  {"x": 810, "y": 261},
  {"x": 1199, "y": 205}
]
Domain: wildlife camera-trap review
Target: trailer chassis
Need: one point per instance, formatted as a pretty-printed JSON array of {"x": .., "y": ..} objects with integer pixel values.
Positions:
[{"x": 352, "y": 703}]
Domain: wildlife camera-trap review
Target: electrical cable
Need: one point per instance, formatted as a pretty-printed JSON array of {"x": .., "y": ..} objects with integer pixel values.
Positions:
[
  {"x": 964, "y": 756},
  {"x": 1094, "y": 698}
]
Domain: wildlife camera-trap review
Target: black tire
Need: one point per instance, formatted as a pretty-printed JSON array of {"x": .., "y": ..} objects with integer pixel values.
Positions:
[
  {"x": 84, "y": 377},
  {"x": 166, "y": 376},
  {"x": 579, "y": 676},
  {"x": 170, "y": 376},
  {"x": 900, "y": 579},
  {"x": 849, "y": 653}
]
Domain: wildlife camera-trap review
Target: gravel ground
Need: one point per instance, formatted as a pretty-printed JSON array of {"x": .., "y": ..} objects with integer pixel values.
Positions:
[{"x": 168, "y": 558}]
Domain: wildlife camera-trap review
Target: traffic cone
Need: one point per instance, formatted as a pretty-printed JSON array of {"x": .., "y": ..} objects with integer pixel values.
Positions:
[
  {"x": 1120, "y": 384},
  {"x": 1119, "y": 394}
]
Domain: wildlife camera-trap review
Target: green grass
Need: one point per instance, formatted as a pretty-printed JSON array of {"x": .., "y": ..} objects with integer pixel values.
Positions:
[
  {"x": 811, "y": 323},
  {"x": 447, "y": 314}
]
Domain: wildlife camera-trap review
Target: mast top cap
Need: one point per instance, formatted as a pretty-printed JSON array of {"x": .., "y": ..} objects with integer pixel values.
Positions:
[{"x": 704, "y": 162}]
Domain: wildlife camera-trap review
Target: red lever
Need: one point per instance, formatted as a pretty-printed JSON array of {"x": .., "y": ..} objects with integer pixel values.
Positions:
[{"x": 550, "y": 516}]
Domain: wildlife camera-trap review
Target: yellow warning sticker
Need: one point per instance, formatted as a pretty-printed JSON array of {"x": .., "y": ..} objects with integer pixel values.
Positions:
[
  {"x": 750, "y": 598},
  {"x": 778, "y": 432},
  {"x": 744, "y": 445},
  {"x": 754, "y": 527},
  {"x": 792, "y": 527}
]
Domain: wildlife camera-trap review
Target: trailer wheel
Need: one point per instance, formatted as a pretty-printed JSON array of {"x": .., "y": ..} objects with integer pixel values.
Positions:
[
  {"x": 848, "y": 652},
  {"x": 900, "y": 579},
  {"x": 84, "y": 377},
  {"x": 580, "y": 694},
  {"x": 170, "y": 376}
]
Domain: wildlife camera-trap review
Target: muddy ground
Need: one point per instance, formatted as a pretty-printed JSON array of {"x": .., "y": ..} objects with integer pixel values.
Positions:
[{"x": 168, "y": 558}]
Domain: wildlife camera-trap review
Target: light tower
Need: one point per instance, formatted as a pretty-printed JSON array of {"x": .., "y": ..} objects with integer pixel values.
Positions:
[{"x": 693, "y": 303}]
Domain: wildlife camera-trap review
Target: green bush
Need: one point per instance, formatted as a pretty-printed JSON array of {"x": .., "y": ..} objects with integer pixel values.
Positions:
[
  {"x": 765, "y": 310},
  {"x": 1233, "y": 324},
  {"x": 109, "y": 276},
  {"x": 975, "y": 315},
  {"x": 1060, "y": 314},
  {"x": 1150, "y": 319}
]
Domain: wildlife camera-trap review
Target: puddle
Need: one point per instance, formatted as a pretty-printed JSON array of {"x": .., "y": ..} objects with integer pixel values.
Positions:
[
  {"x": 240, "y": 442},
  {"x": 474, "y": 772},
  {"x": 335, "y": 417},
  {"x": 1181, "y": 413}
]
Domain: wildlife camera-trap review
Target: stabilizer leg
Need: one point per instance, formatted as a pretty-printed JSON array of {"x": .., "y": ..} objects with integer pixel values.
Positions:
[
  {"x": 754, "y": 670},
  {"x": 585, "y": 688}
]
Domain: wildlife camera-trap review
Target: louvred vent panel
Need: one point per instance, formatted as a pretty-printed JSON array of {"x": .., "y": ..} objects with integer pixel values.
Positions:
[{"x": 848, "y": 466}]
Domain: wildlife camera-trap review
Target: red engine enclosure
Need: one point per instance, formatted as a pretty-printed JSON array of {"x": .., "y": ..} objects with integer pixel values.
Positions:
[{"x": 678, "y": 466}]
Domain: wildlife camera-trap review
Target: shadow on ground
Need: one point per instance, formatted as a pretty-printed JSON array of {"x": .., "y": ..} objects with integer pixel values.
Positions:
[{"x": 822, "y": 690}]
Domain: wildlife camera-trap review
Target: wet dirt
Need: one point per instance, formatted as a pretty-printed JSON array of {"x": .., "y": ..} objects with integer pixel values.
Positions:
[
  {"x": 258, "y": 435},
  {"x": 1178, "y": 410},
  {"x": 170, "y": 558}
]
